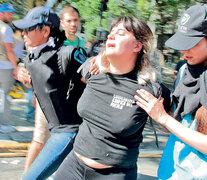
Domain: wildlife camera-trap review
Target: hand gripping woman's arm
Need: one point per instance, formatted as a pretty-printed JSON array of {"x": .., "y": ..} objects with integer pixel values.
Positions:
[{"x": 154, "y": 107}]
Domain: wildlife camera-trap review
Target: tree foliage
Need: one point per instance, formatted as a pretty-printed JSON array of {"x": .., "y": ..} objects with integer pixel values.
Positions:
[
  {"x": 94, "y": 19},
  {"x": 162, "y": 13}
]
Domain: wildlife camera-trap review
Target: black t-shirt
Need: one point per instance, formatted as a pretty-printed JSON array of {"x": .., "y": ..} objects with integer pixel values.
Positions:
[{"x": 112, "y": 122}]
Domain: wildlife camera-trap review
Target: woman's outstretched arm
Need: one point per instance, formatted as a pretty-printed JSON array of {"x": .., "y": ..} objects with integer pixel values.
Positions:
[{"x": 155, "y": 109}]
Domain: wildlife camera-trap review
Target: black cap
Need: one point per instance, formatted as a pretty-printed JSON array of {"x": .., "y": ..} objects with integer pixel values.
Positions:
[
  {"x": 191, "y": 29},
  {"x": 38, "y": 15}
]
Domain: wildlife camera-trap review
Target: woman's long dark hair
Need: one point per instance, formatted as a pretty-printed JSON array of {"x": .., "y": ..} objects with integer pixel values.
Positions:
[{"x": 58, "y": 35}]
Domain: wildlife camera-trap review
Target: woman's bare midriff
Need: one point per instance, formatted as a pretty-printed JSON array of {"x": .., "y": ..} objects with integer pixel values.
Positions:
[{"x": 91, "y": 163}]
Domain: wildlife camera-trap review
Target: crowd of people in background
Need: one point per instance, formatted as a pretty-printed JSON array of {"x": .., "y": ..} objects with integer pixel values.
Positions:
[{"x": 90, "y": 102}]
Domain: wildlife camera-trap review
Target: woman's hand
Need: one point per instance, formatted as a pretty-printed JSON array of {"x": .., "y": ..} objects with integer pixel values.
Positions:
[
  {"x": 15, "y": 73},
  {"x": 23, "y": 76},
  {"x": 153, "y": 106},
  {"x": 94, "y": 69}
]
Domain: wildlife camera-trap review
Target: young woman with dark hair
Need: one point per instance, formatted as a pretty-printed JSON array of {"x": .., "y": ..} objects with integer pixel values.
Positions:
[{"x": 107, "y": 143}]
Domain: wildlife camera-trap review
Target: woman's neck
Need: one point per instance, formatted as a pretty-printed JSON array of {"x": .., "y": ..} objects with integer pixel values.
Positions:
[
  {"x": 35, "y": 50},
  {"x": 205, "y": 63},
  {"x": 196, "y": 70},
  {"x": 121, "y": 66}
]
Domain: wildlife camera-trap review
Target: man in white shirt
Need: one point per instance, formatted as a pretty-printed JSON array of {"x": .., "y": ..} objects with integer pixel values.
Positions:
[{"x": 8, "y": 64}]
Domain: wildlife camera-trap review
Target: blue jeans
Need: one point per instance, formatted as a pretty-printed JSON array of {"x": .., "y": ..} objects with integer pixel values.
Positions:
[
  {"x": 30, "y": 110},
  {"x": 49, "y": 159}
]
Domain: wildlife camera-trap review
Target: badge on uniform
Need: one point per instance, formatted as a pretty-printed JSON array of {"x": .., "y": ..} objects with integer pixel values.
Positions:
[{"x": 80, "y": 55}]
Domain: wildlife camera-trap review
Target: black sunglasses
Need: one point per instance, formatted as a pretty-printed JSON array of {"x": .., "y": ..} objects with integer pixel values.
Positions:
[{"x": 33, "y": 28}]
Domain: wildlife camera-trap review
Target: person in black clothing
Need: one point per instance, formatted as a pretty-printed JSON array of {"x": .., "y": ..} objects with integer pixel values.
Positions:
[
  {"x": 56, "y": 83},
  {"x": 178, "y": 66},
  {"x": 107, "y": 143},
  {"x": 185, "y": 154}
]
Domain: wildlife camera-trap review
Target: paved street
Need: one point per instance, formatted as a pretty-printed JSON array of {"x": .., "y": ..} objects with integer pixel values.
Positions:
[
  {"x": 11, "y": 168},
  {"x": 13, "y": 145}
]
